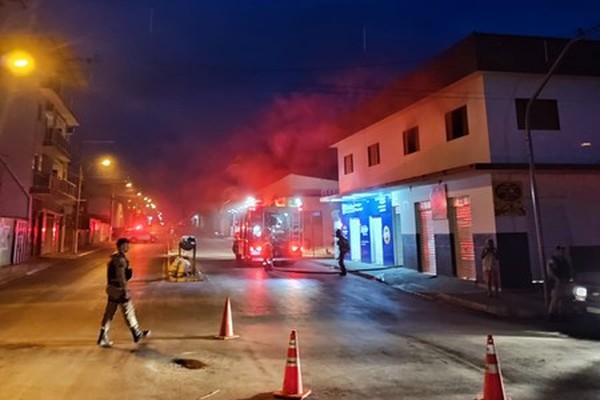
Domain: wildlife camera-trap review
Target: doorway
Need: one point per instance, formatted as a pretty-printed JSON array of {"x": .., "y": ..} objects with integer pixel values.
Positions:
[
  {"x": 427, "y": 238},
  {"x": 354, "y": 239},
  {"x": 376, "y": 239}
]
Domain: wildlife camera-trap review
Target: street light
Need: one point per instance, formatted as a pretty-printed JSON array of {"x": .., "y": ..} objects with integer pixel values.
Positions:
[
  {"x": 19, "y": 62},
  {"x": 106, "y": 162}
]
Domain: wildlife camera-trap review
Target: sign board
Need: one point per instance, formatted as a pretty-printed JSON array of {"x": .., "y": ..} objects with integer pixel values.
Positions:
[{"x": 439, "y": 202}]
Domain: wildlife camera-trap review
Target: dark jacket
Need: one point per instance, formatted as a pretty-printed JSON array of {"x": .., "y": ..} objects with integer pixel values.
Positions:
[
  {"x": 343, "y": 244},
  {"x": 118, "y": 273}
]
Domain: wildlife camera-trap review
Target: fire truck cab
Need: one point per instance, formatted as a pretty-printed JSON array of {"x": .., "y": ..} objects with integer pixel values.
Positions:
[{"x": 269, "y": 233}]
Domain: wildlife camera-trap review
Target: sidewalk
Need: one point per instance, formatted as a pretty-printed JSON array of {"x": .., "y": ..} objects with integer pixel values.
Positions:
[
  {"x": 36, "y": 264},
  {"x": 510, "y": 304}
]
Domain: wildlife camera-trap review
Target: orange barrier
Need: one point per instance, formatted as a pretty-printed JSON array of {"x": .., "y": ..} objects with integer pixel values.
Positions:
[
  {"x": 493, "y": 386},
  {"x": 292, "y": 381},
  {"x": 227, "y": 324}
]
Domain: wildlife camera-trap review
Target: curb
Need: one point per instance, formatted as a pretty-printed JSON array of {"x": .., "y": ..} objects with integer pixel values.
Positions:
[{"x": 499, "y": 311}]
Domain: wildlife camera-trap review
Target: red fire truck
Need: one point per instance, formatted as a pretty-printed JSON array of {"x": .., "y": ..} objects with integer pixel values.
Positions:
[{"x": 270, "y": 233}]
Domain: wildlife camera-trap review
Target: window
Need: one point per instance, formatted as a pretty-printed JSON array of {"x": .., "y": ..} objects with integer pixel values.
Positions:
[
  {"x": 348, "y": 164},
  {"x": 411, "y": 140},
  {"x": 374, "y": 158},
  {"x": 456, "y": 123},
  {"x": 543, "y": 116}
]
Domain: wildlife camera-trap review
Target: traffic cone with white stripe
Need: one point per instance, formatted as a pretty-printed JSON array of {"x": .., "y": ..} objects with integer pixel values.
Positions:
[
  {"x": 493, "y": 386},
  {"x": 292, "y": 381},
  {"x": 227, "y": 324}
]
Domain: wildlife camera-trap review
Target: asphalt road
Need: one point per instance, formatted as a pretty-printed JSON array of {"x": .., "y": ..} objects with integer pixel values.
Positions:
[{"x": 358, "y": 339}]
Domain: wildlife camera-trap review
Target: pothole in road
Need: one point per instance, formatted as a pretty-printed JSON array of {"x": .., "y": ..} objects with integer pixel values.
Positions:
[{"x": 189, "y": 363}]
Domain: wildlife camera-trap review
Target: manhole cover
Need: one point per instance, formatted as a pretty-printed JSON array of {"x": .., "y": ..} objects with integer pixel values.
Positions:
[{"x": 189, "y": 363}]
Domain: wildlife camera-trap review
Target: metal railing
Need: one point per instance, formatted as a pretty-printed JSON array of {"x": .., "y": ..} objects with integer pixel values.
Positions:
[
  {"x": 54, "y": 137},
  {"x": 46, "y": 183}
]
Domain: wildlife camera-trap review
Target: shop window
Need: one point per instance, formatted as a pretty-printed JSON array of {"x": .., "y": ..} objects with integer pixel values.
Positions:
[
  {"x": 411, "y": 140},
  {"x": 348, "y": 164},
  {"x": 374, "y": 156},
  {"x": 543, "y": 115},
  {"x": 457, "y": 124}
]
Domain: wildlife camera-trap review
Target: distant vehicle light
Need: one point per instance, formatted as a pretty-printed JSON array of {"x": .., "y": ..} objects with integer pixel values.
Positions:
[
  {"x": 295, "y": 248},
  {"x": 138, "y": 228},
  {"x": 580, "y": 293}
]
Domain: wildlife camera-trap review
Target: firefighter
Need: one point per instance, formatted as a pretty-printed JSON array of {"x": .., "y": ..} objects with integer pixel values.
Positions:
[
  {"x": 268, "y": 256},
  {"x": 118, "y": 272},
  {"x": 344, "y": 248}
]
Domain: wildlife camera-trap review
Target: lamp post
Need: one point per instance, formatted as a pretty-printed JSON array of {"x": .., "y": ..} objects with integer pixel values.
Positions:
[{"x": 530, "y": 155}]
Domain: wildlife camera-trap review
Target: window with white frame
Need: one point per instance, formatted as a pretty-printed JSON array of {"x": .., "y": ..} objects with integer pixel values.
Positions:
[
  {"x": 373, "y": 154},
  {"x": 457, "y": 124},
  {"x": 410, "y": 138},
  {"x": 348, "y": 164},
  {"x": 543, "y": 115}
]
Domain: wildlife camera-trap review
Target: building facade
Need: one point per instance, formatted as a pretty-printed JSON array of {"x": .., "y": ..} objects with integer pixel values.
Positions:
[
  {"x": 426, "y": 186},
  {"x": 37, "y": 193}
]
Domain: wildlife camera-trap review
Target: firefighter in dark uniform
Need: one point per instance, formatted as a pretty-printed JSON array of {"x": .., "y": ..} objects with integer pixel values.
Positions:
[
  {"x": 559, "y": 271},
  {"x": 343, "y": 248},
  {"x": 118, "y": 272}
]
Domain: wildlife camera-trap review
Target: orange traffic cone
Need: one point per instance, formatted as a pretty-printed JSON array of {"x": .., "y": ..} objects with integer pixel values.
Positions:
[
  {"x": 227, "y": 323},
  {"x": 493, "y": 387},
  {"x": 292, "y": 381}
]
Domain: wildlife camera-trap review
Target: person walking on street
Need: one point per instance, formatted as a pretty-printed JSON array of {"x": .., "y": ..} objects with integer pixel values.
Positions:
[
  {"x": 559, "y": 271},
  {"x": 491, "y": 267},
  {"x": 343, "y": 249},
  {"x": 118, "y": 272}
]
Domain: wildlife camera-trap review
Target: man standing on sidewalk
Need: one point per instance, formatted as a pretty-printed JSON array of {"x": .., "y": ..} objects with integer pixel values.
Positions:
[
  {"x": 559, "y": 270},
  {"x": 118, "y": 273},
  {"x": 343, "y": 249}
]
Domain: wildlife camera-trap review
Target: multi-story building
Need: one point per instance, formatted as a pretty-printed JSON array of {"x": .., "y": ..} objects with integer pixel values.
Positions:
[
  {"x": 425, "y": 185},
  {"x": 38, "y": 195}
]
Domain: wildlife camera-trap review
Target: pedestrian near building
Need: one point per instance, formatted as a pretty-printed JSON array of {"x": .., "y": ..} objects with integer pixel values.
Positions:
[
  {"x": 343, "y": 249},
  {"x": 491, "y": 267},
  {"x": 118, "y": 272},
  {"x": 560, "y": 273}
]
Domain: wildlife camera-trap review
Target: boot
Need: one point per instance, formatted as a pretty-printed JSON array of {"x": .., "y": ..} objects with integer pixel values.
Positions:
[
  {"x": 103, "y": 340},
  {"x": 139, "y": 335}
]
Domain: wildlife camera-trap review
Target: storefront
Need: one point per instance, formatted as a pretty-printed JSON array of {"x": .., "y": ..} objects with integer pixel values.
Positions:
[{"x": 368, "y": 224}]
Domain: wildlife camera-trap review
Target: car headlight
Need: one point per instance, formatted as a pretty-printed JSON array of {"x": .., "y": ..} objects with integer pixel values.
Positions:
[{"x": 580, "y": 293}]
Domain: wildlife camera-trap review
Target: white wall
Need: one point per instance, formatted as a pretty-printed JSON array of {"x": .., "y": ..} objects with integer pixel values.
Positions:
[
  {"x": 436, "y": 153},
  {"x": 579, "y": 115},
  {"x": 477, "y": 187}
]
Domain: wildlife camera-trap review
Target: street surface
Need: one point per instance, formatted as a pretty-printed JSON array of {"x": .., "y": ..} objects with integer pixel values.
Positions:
[{"x": 358, "y": 339}]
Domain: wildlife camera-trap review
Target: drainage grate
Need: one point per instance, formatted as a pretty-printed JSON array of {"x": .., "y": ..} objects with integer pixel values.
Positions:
[{"x": 189, "y": 363}]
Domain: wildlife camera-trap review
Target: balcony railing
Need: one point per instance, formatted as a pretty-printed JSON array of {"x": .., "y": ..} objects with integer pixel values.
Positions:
[
  {"x": 46, "y": 183},
  {"x": 55, "y": 138}
]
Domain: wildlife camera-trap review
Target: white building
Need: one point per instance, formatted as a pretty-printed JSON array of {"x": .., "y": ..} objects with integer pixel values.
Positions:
[{"x": 425, "y": 186}]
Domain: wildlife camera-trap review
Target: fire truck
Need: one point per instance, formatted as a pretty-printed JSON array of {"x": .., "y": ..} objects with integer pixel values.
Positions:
[{"x": 268, "y": 233}]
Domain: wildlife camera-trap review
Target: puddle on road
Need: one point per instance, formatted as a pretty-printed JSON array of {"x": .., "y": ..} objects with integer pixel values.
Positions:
[{"x": 189, "y": 363}]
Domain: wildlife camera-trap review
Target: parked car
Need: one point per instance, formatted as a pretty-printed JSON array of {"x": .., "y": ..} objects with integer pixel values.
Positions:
[
  {"x": 586, "y": 293},
  {"x": 140, "y": 235}
]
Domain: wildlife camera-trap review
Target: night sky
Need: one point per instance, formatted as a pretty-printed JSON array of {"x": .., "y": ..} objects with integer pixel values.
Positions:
[{"x": 210, "y": 98}]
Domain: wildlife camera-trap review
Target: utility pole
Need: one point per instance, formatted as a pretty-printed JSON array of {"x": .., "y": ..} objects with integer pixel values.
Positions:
[
  {"x": 528, "y": 140},
  {"x": 78, "y": 211}
]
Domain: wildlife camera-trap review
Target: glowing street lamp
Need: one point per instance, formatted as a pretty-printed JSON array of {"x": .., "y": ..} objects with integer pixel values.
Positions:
[
  {"x": 129, "y": 185},
  {"x": 106, "y": 162},
  {"x": 19, "y": 63}
]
